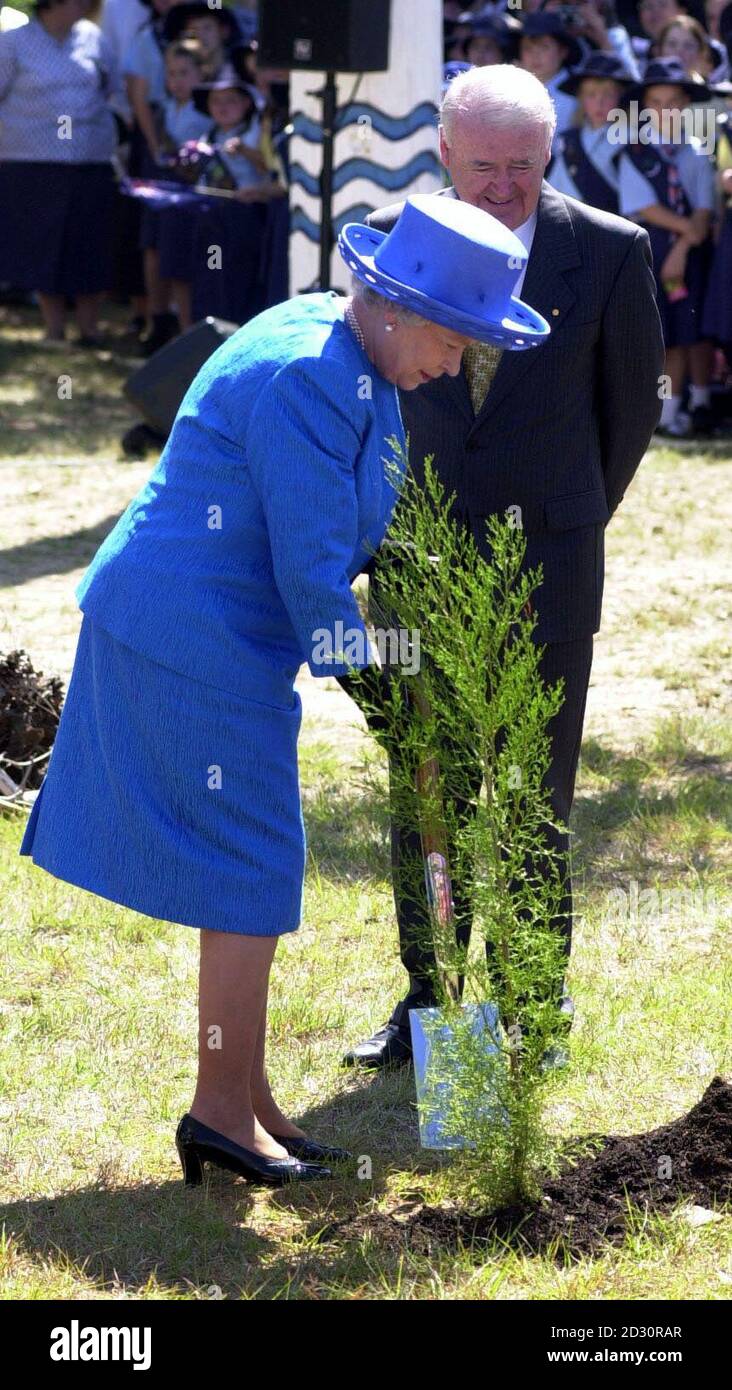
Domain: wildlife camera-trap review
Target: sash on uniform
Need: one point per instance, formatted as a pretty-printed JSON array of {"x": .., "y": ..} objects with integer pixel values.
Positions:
[{"x": 591, "y": 184}]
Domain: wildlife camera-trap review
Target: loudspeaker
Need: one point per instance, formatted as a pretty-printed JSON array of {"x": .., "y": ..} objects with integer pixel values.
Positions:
[
  {"x": 324, "y": 35},
  {"x": 158, "y": 388}
]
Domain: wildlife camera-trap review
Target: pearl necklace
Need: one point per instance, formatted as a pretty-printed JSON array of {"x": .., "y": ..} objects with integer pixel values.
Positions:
[{"x": 355, "y": 326}]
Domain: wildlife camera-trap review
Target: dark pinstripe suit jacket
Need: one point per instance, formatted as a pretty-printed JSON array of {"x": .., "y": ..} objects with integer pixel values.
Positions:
[{"x": 564, "y": 426}]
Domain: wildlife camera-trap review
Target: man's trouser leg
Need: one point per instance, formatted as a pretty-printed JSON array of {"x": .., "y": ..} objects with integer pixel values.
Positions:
[{"x": 573, "y": 661}]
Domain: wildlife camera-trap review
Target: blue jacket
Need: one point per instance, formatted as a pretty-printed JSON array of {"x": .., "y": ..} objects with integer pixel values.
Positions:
[{"x": 275, "y": 487}]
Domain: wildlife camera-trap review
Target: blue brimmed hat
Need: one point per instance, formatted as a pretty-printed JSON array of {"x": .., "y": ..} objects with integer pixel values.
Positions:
[
  {"x": 668, "y": 72},
  {"x": 537, "y": 25},
  {"x": 505, "y": 30},
  {"x": 452, "y": 70},
  {"x": 228, "y": 77},
  {"x": 604, "y": 65},
  {"x": 452, "y": 263}
]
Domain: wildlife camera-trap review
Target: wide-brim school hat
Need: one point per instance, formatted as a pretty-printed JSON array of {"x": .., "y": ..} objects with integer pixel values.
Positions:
[
  {"x": 607, "y": 66},
  {"x": 452, "y": 70},
  {"x": 505, "y": 30},
  {"x": 664, "y": 72},
  {"x": 535, "y": 26},
  {"x": 451, "y": 263},
  {"x": 226, "y": 78},
  {"x": 179, "y": 17}
]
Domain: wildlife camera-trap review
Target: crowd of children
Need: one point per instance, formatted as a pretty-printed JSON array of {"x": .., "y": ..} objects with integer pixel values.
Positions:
[
  {"x": 204, "y": 117},
  {"x": 643, "y": 101},
  {"x": 643, "y": 130},
  {"x": 164, "y": 96}
]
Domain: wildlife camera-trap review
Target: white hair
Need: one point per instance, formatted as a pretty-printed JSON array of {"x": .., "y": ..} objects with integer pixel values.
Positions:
[
  {"x": 500, "y": 94},
  {"x": 370, "y": 296}
]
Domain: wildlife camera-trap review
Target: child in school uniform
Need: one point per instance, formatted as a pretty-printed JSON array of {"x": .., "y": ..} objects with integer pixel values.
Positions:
[
  {"x": 179, "y": 117},
  {"x": 166, "y": 233},
  {"x": 180, "y": 121},
  {"x": 669, "y": 189},
  {"x": 585, "y": 166},
  {"x": 216, "y": 31},
  {"x": 548, "y": 50},
  {"x": 230, "y": 281}
]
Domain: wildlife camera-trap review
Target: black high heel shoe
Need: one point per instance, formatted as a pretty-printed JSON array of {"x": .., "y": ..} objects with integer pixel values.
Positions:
[
  {"x": 309, "y": 1151},
  {"x": 197, "y": 1144}
]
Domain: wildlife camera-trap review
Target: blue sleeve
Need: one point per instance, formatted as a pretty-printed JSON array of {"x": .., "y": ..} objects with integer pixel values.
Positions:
[
  {"x": 110, "y": 66},
  {"x": 133, "y": 57},
  {"x": 634, "y": 191},
  {"x": 698, "y": 178},
  {"x": 303, "y": 438},
  {"x": 142, "y": 58}
]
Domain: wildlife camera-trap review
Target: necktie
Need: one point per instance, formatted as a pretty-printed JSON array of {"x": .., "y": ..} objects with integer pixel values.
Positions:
[
  {"x": 480, "y": 362},
  {"x": 676, "y": 198}
]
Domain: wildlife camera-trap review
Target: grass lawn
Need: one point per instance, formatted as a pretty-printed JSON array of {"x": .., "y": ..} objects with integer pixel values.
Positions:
[{"x": 99, "y": 1003}]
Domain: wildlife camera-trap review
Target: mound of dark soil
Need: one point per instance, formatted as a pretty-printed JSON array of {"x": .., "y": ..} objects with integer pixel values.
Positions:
[
  {"x": 587, "y": 1203},
  {"x": 30, "y": 707}
]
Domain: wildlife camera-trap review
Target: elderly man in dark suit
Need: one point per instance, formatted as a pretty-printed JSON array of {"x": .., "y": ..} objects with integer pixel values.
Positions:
[{"x": 557, "y": 433}]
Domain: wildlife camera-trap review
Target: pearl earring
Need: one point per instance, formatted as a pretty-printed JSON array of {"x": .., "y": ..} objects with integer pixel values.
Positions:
[{"x": 389, "y": 327}]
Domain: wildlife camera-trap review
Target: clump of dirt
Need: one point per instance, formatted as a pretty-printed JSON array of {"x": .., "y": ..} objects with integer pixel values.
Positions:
[
  {"x": 587, "y": 1203},
  {"x": 30, "y": 708}
]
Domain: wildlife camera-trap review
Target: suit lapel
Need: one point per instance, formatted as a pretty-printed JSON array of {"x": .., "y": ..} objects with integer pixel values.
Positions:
[{"x": 554, "y": 251}]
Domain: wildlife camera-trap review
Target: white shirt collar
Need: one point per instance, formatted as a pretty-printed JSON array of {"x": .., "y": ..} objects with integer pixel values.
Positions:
[{"x": 525, "y": 232}]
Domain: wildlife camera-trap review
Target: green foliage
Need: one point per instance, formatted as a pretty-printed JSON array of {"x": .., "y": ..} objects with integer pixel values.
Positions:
[{"x": 478, "y": 707}]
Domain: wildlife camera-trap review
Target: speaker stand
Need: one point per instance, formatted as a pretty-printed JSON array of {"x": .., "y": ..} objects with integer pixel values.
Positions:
[{"x": 328, "y": 96}]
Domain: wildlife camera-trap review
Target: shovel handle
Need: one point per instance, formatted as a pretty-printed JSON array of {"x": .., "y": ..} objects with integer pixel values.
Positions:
[{"x": 433, "y": 834}]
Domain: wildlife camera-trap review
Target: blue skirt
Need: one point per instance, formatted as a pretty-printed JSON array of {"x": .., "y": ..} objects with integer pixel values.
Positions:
[
  {"x": 235, "y": 291},
  {"x": 177, "y": 228},
  {"x": 57, "y": 227},
  {"x": 172, "y": 797},
  {"x": 682, "y": 319},
  {"x": 717, "y": 317}
]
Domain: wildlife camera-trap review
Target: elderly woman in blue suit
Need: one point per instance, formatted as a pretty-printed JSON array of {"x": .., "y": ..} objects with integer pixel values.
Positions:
[{"x": 173, "y": 786}]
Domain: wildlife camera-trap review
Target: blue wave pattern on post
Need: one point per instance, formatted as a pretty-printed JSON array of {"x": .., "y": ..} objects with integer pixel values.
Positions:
[
  {"x": 358, "y": 168},
  {"x": 301, "y": 222},
  {"x": 392, "y": 127}
]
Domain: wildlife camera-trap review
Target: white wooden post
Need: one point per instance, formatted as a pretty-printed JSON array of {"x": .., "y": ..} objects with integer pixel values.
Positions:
[{"x": 386, "y": 141}]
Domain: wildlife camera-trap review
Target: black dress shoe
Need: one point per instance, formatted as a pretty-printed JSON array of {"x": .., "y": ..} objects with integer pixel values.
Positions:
[
  {"x": 309, "y": 1152},
  {"x": 197, "y": 1144},
  {"x": 389, "y": 1047}
]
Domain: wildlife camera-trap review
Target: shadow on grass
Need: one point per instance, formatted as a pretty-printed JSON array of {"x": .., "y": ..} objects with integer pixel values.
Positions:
[
  {"x": 53, "y": 554},
  {"x": 348, "y": 828},
  {"x": 214, "y": 1238},
  {"x": 670, "y": 825},
  {"x": 43, "y": 421}
]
